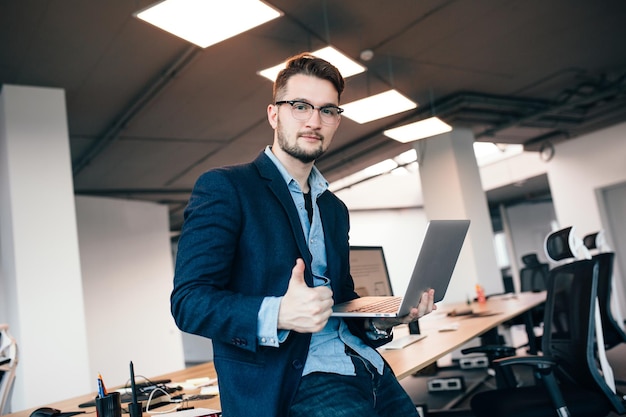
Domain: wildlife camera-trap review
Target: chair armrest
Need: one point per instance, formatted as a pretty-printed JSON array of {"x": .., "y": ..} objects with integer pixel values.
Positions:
[
  {"x": 544, "y": 367},
  {"x": 497, "y": 351},
  {"x": 539, "y": 362}
]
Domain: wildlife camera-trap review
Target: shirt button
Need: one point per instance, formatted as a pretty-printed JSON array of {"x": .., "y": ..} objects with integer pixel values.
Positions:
[{"x": 297, "y": 364}]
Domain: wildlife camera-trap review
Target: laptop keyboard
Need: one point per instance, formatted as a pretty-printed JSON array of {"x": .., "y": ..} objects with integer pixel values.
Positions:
[{"x": 388, "y": 305}]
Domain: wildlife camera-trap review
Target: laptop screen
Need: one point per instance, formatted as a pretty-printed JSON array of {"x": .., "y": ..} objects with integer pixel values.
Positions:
[{"x": 369, "y": 271}]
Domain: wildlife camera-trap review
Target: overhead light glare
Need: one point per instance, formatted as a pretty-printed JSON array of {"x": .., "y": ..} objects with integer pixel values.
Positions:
[
  {"x": 488, "y": 152},
  {"x": 377, "y": 106},
  {"x": 406, "y": 157},
  {"x": 380, "y": 168},
  {"x": 418, "y": 130},
  {"x": 205, "y": 23},
  {"x": 346, "y": 65}
]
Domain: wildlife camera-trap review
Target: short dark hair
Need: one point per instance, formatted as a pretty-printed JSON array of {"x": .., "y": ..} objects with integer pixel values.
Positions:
[{"x": 307, "y": 64}]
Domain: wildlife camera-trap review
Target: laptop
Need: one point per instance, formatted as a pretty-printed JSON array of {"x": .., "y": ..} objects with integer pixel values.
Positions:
[{"x": 433, "y": 269}]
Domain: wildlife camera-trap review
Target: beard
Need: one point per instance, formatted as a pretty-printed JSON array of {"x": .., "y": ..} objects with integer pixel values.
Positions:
[{"x": 296, "y": 151}]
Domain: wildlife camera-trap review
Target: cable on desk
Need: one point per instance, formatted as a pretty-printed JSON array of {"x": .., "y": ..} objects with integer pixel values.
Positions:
[{"x": 169, "y": 400}]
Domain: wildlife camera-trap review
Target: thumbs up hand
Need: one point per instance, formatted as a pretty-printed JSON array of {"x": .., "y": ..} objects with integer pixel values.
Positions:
[{"x": 304, "y": 309}]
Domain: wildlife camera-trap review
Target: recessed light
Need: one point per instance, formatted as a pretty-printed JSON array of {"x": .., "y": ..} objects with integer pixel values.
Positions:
[
  {"x": 346, "y": 65},
  {"x": 377, "y": 106},
  {"x": 205, "y": 23},
  {"x": 418, "y": 130}
]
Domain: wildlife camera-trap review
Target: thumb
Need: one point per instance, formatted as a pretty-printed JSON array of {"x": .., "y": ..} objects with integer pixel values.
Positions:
[{"x": 297, "y": 273}]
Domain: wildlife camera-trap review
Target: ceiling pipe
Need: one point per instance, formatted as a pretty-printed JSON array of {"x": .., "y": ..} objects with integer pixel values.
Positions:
[
  {"x": 612, "y": 90},
  {"x": 454, "y": 105}
]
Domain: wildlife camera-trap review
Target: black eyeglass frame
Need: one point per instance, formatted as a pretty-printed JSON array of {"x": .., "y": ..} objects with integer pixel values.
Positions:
[{"x": 313, "y": 107}]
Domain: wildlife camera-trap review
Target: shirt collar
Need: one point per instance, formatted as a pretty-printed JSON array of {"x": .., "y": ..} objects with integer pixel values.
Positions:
[{"x": 317, "y": 182}]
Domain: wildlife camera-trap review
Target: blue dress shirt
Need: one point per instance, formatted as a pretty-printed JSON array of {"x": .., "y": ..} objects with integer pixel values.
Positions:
[{"x": 327, "y": 347}]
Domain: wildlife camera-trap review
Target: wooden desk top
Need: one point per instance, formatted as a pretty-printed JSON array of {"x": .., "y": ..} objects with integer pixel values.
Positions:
[
  {"x": 404, "y": 361},
  {"x": 440, "y": 340},
  {"x": 199, "y": 371}
]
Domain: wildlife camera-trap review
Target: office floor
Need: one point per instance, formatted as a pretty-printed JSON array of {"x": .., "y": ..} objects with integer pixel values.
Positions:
[
  {"x": 451, "y": 402},
  {"x": 456, "y": 402}
]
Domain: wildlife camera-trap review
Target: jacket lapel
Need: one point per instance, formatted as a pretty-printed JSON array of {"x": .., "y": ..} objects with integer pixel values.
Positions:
[{"x": 276, "y": 184}]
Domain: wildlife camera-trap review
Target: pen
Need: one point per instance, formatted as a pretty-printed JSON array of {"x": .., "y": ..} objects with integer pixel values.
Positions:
[
  {"x": 100, "y": 387},
  {"x": 133, "y": 389}
]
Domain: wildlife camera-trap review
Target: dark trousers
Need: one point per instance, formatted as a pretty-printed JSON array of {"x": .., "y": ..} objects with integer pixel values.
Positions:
[{"x": 366, "y": 394}]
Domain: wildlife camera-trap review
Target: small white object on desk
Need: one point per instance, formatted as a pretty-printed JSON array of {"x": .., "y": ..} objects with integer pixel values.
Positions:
[
  {"x": 449, "y": 327},
  {"x": 403, "y": 341},
  {"x": 210, "y": 390},
  {"x": 196, "y": 412}
]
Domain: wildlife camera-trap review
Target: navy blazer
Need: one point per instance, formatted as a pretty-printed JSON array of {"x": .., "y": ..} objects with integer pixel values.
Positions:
[{"x": 240, "y": 240}]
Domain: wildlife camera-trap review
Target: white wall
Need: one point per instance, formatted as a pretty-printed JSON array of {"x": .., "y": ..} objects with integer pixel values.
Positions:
[
  {"x": 42, "y": 294},
  {"x": 511, "y": 170},
  {"x": 579, "y": 169},
  {"x": 528, "y": 225},
  {"x": 127, "y": 273}
]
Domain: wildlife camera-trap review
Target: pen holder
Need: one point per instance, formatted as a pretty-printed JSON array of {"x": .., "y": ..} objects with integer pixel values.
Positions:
[{"x": 109, "y": 406}]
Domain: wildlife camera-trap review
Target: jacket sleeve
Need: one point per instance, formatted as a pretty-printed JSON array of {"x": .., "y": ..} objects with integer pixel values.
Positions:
[{"x": 203, "y": 301}]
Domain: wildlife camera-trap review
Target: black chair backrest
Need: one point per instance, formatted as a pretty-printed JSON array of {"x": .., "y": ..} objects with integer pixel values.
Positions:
[
  {"x": 560, "y": 245},
  {"x": 613, "y": 333},
  {"x": 569, "y": 326},
  {"x": 533, "y": 275}
]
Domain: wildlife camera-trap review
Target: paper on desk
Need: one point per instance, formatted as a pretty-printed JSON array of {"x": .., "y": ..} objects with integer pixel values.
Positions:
[
  {"x": 210, "y": 390},
  {"x": 449, "y": 327},
  {"x": 197, "y": 383},
  {"x": 404, "y": 341},
  {"x": 195, "y": 412}
]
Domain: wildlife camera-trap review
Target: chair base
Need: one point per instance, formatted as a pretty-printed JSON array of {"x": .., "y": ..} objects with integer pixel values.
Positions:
[{"x": 535, "y": 402}]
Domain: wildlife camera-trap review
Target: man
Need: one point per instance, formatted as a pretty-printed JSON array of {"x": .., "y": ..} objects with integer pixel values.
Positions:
[{"x": 262, "y": 258}]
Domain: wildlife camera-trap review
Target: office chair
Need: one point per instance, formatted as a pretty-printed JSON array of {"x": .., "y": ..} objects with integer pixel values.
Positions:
[
  {"x": 533, "y": 277},
  {"x": 572, "y": 378},
  {"x": 533, "y": 274},
  {"x": 613, "y": 333},
  {"x": 8, "y": 363}
]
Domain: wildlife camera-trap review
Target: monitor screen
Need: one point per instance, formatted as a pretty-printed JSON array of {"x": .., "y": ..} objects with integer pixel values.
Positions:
[{"x": 369, "y": 271}]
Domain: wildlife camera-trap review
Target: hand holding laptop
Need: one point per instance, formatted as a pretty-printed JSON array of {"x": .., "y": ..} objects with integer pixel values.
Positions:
[{"x": 425, "y": 305}]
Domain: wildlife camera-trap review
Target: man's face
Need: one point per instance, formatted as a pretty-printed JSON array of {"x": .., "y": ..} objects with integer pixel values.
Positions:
[{"x": 304, "y": 140}]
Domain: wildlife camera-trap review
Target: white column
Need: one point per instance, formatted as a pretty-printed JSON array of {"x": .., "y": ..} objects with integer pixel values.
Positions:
[
  {"x": 452, "y": 189},
  {"x": 42, "y": 290}
]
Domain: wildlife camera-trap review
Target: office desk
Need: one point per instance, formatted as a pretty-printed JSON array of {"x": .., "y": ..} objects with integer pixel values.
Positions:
[
  {"x": 439, "y": 343},
  {"x": 198, "y": 371},
  {"x": 404, "y": 361}
]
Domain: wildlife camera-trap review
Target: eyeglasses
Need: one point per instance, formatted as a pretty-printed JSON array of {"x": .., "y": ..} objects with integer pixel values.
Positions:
[{"x": 301, "y": 110}]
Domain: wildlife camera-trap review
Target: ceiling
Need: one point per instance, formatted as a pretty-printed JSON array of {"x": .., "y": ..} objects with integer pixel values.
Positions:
[{"x": 148, "y": 112}]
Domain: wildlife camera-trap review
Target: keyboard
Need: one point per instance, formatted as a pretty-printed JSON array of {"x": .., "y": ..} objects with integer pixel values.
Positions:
[{"x": 386, "y": 305}]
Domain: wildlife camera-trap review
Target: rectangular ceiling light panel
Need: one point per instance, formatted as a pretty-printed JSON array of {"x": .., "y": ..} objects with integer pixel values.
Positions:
[
  {"x": 377, "y": 106},
  {"x": 346, "y": 66},
  {"x": 207, "y": 22},
  {"x": 418, "y": 130}
]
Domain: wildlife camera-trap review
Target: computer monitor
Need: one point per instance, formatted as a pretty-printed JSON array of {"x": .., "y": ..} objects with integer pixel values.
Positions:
[{"x": 369, "y": 271}]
